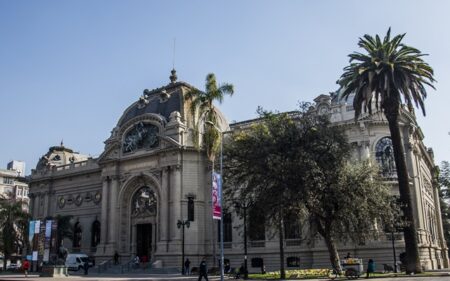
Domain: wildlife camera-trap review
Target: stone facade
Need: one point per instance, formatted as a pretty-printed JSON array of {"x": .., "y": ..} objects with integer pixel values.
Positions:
[
  {"x": 13, "y": 184},
  {"x": 149, "y": 176}
]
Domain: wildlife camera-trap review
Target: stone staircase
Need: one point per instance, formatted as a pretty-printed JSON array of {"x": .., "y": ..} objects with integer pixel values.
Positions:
[{"x": 108, "y": 268}]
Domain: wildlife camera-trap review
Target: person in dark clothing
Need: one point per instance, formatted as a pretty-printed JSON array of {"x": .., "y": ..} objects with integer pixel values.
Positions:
[
  {"x": 240, "y": 272},
  {"x": 370, "y": 267},
  {"x": 203, "y": 271},
  {"x": 187, "y": 264},
  {"x": 116, "y": 258},
  {"x": 86, "y": 267}
]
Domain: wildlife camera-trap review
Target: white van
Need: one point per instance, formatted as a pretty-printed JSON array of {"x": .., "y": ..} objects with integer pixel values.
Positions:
[{"x": 76, "y": 261}]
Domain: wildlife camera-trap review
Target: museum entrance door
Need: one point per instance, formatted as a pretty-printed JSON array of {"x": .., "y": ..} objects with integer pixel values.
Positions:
[{"x": 144, "y": 240}]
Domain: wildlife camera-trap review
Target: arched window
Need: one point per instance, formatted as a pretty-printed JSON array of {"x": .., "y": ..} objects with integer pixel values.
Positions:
[
  {"x": 190, "y": 209},
  {"x": 142, "y": 135},
  {"x": 143, "y": 202},
  {"x": 292, "y": 227},
  {"x": 95, "y": 233},
  {"x": 384, "y": 153},
  {"x": 77, "y": 235}
]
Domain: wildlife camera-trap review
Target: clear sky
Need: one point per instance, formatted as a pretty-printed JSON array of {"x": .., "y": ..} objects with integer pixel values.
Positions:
[{"x": 68, "y": 69}]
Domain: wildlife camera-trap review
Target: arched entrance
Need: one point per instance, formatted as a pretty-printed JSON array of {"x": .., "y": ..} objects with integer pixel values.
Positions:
[{"x": 143, "y": 210}]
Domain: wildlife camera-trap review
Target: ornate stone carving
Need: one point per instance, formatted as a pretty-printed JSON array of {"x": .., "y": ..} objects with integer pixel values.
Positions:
[
  {"x": 61, "y": 202},
  {"x": 97, "y": 197},
  {"x": 143, "y": 202},
  {"x": 78, "y": 200},
  {"x": 142, "y": 135},
  {"x": 112, "y": 154}
]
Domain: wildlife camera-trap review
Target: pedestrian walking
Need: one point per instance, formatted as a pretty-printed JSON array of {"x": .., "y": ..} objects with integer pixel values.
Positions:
[
  {"x": 203, "y": 270},
  {"x": 116, "y": 258},
  {"x": 26, "y": 267},
  {"x": 86, "y": 267},
  {"x": 187, "y": 264},
  {"x": 136, "y": 261},
  {"x": 370, "y": 267}
]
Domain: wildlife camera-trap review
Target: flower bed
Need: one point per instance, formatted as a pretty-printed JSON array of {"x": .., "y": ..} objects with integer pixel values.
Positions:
[{"x": 299, "y": 273}]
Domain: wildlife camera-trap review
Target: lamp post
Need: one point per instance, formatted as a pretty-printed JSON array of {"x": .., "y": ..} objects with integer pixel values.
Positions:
[
  {"x": 182, "y": 224},
  {"x": 244, "y": 206},
  {"x": 220, "y": 197}
]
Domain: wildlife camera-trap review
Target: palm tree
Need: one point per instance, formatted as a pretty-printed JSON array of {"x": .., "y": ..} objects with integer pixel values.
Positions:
[
  {"x": 204, "y": 112},
  {"x": 64, "y": 229},
  {"x": 391, "y": 73},
  {"x": 13, "y": 222}
]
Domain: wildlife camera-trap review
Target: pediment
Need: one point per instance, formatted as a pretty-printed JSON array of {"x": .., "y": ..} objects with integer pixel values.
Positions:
[{"x": 112, "y": 153}]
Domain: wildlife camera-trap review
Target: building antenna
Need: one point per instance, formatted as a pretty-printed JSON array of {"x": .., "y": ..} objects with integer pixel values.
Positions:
[
  {"x": 173, "y": 77},
  {"x": 173, "y": 55}
]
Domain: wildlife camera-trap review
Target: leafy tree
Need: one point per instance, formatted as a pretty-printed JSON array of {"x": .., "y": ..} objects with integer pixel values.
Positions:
[
  {"x": 297, "y": 163},
  {"x": 388, "y": 74},
  {"x": 13, "y": 224},
  {"x": 266, "y": 158},
  {"x": 64, "y": 229},
  {"x": 444, "y": 196},
  {"x": 354, "y": 206},
  {"x": 204, "y": 112}
]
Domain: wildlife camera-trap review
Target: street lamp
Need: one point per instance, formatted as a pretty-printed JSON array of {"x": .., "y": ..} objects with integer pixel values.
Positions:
[
  {"x": 244, "y": 206},
  {"x": 182, "y": 224},
  {"x": 220, "y": 197}
]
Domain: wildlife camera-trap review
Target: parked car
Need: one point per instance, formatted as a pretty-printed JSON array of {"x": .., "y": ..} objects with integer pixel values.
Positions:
[
  {"x": 77, "y": 261},
  {"x": 12, "y": 266}
]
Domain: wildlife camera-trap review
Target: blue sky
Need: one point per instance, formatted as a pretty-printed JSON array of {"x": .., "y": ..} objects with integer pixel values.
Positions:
[{"x": 68, "y": 69}]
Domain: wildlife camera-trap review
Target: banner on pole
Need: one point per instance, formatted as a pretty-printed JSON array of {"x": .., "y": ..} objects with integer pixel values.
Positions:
[
  {"x": 31, "y": 232},
  {"x": 216, "y": 193}
]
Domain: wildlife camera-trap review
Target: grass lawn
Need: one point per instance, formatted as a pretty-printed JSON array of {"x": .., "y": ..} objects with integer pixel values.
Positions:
[{"x": 321, "y": 274}]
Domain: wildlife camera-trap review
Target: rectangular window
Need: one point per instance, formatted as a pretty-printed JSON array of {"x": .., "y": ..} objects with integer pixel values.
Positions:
[
  {"x": 227, "y": 228},
  {"x": 7, "y": 180}
]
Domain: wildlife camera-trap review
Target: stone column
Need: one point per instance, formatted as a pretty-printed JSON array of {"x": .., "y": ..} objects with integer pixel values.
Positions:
[
  {"x": 164, "y": 205},
  {"x": 31, "y": 205},
  {"x": 46, "y": 203},
  {"x": 113, "y": 218},
  {"x": 175, "y": 194},
  {"x": 104, "y": 213},
  {"x": 440, "y": 235}
]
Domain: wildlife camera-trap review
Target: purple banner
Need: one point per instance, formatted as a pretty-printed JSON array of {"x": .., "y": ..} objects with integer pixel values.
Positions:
[{"x": 216, "y": 193}]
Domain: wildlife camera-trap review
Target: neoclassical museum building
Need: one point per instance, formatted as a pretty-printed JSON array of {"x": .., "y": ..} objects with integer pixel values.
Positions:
[{"x": 149, "y": 176}]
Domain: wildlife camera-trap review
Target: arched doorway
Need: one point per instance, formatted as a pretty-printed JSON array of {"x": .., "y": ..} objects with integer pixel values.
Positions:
[{"x": 143, "y": 211}]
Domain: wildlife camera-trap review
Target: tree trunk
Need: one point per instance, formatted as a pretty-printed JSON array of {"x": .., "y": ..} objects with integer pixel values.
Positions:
[
  {"x": 410, "y": 233},
  {"x": 331, "y": 246},
  {"x": 281, "y": 235},
  {"x": 334, "y": 255}
]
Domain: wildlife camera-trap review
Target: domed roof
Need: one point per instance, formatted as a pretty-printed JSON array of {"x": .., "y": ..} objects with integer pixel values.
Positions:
[
  {"x": 59, "y": 156},
  {"x": 162, "y": 101}
]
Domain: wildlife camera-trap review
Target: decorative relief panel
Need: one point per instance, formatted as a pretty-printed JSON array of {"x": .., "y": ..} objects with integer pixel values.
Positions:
[
  {"x": 78, "y": 199},
  {"x": 142, "y": 135},
  {"x": 143, "y": 202}
]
